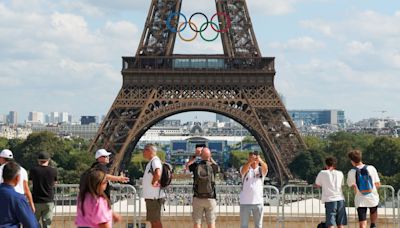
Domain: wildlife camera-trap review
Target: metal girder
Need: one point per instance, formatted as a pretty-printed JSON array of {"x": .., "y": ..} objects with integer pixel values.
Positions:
[
  {"x": 157, "y": 39},
  {"x": 240, "y": 40},
  {"x": 257, "y": 108},
  {"x": 239, "y": 85}
]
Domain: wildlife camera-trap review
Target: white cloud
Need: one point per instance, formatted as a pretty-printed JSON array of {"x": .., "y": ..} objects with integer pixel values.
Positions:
[
  {"x": 272, "y": 7},
  {"x": 302, "y": 44},
  {"x": 317, "y": 25},
  {"x": 59, "y": 58},
  {"x": 357, "y": 48}
]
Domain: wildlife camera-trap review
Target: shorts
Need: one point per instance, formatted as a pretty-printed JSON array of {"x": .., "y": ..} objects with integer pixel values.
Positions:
[
  {"x": 201, "y": 206},
  {"x": 362, "y": 212},
  {"x": 335, "y": 213},
  {"x": 153, "y": 209}
]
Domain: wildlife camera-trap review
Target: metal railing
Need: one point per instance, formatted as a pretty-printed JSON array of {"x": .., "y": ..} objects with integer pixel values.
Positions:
[
  {"x": 197, "y": 63},
  {"x": 298, "y": 204},
  {"x": 124, "y": 199}
]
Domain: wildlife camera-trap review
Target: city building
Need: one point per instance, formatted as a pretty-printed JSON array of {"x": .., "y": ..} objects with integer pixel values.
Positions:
[
  {"x": 9, "y": 132},
  {"x": 3, "y": 119},
  {"x": 181, "y": 150},
  {"x": 85, "y": 120},
  {"x": 222, "y": 118},
  {"x": 63, "y": 117},
  {"x": 36, "y": 117},
  {"x": 12, "y": 118},
  {"x": 87, "y": 131},
  {"x": 54, "y": 117},
  {"x": 317, "y": 117}
]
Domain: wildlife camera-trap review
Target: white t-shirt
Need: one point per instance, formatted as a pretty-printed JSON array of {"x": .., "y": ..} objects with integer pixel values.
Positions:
[
  {"x": 331, "y": 182},
  {"x": 253, "y": 187},
  {"x": 370, "y": 200},
  {"x": 149, "y": 191},
  {"x": 23, "y": 177}
]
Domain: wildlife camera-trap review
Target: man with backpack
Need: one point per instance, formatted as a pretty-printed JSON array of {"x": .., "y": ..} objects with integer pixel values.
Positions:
[
  {"x": 251, "y": 197},
  {"x": 331, "y": 181},
  {"x": 151, "y": 185},
  {"x": 364, "y": 180},
  {"x": 204, "y": 198}
]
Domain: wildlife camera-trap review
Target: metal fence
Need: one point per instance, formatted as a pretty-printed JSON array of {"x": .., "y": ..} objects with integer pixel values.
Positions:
[
  {"x": 303, "y": 203},
  {"x": 124, "y": 199},
  {"x": 293, "y": 206}
]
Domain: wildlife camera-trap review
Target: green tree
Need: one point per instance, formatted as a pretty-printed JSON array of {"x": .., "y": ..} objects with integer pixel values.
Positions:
[
  {"x": 307, "y": 164},
  {"x": 238, "y": 158},
  {"x": 315, "y": 143},
  {"x": 3, "y": 143},
  {"x": 384, "y": 154},
  {"x": 339, "y": 144}
]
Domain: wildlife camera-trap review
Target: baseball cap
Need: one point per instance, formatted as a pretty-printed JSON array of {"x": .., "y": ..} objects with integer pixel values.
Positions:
[
  {"x": 6, "y": 153},
  {"x": 101, "y": 153},
  {"x": 43, "y": 156}
]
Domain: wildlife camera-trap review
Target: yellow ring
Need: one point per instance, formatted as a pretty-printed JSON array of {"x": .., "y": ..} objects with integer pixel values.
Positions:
[{"x": 179, "y": 33}]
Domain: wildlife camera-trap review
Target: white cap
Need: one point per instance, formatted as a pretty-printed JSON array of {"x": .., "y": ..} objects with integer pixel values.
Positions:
[
  {"x": 6, "y": 153},
  {"x": 101, "y": 152}
]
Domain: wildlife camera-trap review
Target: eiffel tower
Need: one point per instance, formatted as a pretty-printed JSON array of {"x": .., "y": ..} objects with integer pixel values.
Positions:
[{"x": 238, "y": 84}]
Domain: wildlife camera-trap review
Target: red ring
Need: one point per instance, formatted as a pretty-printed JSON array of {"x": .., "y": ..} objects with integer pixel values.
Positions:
[{"x": 228, "y": 22}]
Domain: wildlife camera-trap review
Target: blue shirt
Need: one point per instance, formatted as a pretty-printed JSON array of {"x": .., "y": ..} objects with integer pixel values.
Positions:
[{"x": 14, "y": 209}]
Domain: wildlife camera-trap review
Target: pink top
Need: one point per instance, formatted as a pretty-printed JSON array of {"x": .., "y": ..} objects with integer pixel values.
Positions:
[{"x": 96, "y": 212}]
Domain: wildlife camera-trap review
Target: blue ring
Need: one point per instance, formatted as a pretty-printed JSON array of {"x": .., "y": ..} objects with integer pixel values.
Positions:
[{"x": 168, "y": 22}]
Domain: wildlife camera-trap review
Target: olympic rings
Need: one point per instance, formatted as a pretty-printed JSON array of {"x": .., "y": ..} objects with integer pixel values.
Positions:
[
  {"x": 206, "y": 23},
  {"x": 228, "y": 22},
  {"x": 203, "y": 27},
  {"x": 190, "y": 19},
  {"x": 190, "y": 24},
  {"x": 169, "y": 26}
]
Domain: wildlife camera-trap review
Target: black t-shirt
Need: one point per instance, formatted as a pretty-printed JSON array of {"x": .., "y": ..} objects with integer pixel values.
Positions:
[
  {"x": 43, "y": 179},
  {"x": 192, "y": 169},
  {"x": 104, "y": 168}
]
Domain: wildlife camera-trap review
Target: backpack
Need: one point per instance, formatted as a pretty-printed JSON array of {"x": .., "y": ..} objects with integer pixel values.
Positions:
[
  {"x": 364, "y": 180},
  {"x": 204, "y": 180},
  {"x": 166, "y": 174}
]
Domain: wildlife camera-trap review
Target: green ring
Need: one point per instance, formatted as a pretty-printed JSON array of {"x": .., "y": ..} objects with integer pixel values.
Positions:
[{"x": 201, "y": 28}]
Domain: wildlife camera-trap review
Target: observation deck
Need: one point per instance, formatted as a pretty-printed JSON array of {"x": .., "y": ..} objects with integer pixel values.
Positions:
[{"x": 203, "y": 69}]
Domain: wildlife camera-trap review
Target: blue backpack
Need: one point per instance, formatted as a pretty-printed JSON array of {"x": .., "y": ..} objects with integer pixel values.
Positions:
[{"x": 364, "y": 180}]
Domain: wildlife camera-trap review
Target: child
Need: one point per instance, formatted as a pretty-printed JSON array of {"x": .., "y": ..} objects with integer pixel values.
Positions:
[{"x": 94, "y": 208}]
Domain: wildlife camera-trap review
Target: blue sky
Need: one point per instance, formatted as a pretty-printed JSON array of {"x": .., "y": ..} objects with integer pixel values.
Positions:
[{"x": 65, "y": 55}]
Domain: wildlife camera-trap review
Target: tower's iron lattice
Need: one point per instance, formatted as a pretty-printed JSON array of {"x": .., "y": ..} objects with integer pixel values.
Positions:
[{"x": 238, "y": 84}]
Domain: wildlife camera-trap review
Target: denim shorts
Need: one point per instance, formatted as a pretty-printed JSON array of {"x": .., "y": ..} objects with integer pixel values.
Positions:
[{"x": 335, "y": 213}]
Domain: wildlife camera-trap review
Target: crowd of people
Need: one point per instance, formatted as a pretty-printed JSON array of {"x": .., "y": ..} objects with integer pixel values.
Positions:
[{"x": 20, "y": 206}]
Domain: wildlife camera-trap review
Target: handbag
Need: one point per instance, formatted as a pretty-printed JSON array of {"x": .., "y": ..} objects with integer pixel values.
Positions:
[{"x": 321, "y": 225}]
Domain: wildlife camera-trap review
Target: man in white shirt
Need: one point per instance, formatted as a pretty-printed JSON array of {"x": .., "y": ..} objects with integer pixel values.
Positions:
[
  {"x": 152, "y": 192},
  {"x": 363, "y": 201},
  {"x": 251, "y": 197},
  {"x": 22, "y": 187},
  {"x": 331, "y": 181}
]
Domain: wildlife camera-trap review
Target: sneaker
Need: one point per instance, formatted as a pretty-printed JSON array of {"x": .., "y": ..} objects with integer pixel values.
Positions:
[{"x": 373, "y": 225}]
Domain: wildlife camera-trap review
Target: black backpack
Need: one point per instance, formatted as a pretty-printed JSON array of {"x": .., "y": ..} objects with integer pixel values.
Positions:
[
  {"x": 166, "y": 174},
  {"x": 204, "y": 180}
]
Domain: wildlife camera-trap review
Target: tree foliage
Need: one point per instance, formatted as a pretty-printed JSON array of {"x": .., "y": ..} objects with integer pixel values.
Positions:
[
  {"x": 238, "y": 158},
  {"x": 307, "y": 164}
]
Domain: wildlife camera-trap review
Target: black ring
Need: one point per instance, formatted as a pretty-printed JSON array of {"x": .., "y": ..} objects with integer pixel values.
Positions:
[{"x": 195, "y": 30}]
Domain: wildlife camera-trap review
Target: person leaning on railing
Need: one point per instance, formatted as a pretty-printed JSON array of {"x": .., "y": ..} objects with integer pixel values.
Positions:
[{"x": 102, "y": 159}]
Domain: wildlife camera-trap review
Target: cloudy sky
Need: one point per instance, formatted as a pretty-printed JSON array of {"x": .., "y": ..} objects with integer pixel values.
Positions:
[{"x": 65, "y": 55}]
